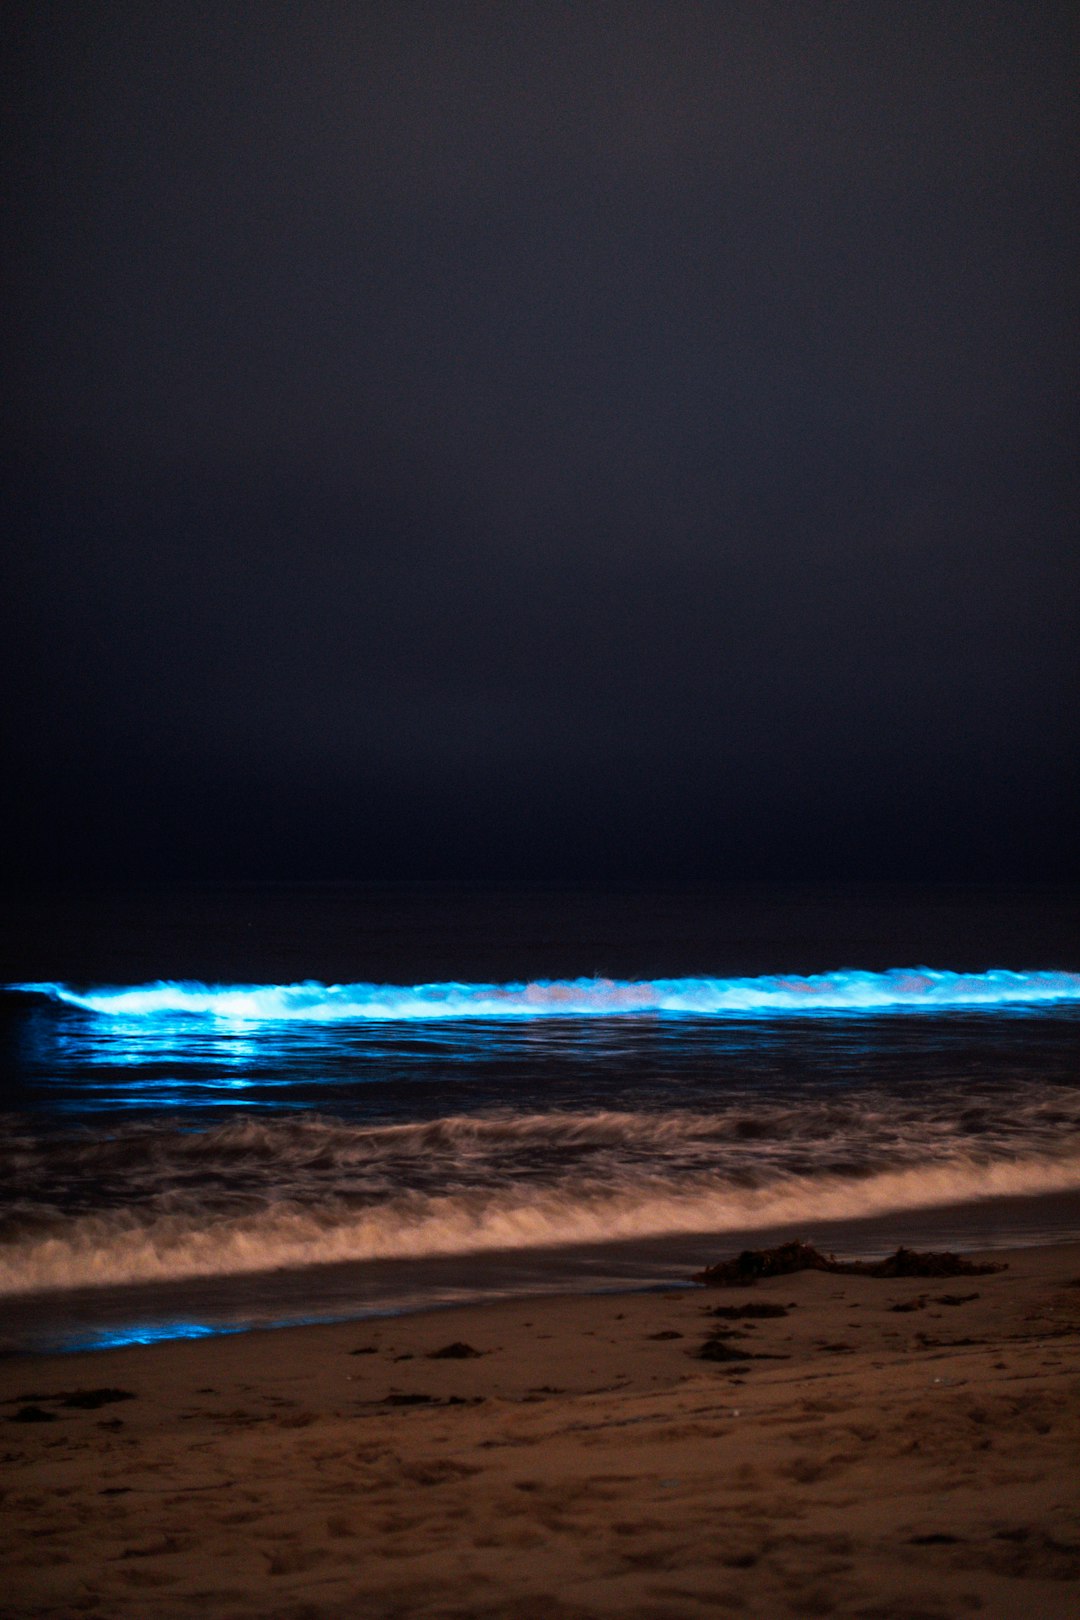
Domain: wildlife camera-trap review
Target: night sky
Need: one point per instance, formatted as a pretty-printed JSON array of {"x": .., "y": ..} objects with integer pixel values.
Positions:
[{"x": 541, "y": 440}]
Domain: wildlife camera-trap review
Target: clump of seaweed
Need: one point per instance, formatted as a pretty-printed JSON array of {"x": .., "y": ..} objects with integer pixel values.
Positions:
[{"x": 752, "y": 1264}]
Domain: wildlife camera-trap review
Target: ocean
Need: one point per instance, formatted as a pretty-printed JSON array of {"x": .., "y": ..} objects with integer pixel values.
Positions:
[{"x": 232, "y": 1107}]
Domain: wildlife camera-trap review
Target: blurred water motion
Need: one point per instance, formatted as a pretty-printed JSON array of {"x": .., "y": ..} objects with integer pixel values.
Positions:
[
  {"x": 77, "y": 1061},
  {"x": 180, "y": 1157}
]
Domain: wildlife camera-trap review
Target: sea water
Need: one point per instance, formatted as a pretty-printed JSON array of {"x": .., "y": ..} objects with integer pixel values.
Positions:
[{"x": 232, "y": 1107}]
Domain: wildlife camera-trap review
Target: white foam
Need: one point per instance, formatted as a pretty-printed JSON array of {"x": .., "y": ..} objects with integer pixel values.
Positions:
[{"x": 132, "y": 1246}]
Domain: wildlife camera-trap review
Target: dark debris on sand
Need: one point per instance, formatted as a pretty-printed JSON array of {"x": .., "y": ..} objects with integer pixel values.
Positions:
[
  {"x": 721, "y": 1349},
  {"x": 746, "y": 1268},
  {"x": 920, "y": 1302},
  {"x": 454, "y": 1352},
  {"x": 32, "y": 1414},
  {"x": 401, "y": 1398},
  {"x": 81, "y": 1400},
  {"x": 88, "y": 1400},
  {"x": 744, "y": 1313}
]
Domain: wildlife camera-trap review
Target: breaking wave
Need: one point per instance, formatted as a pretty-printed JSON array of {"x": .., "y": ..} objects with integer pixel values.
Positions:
[
  {"x": 150, "y": 1202},
  {"x": 848, "y": 991},
  {"x": 129, "y": 1246}
]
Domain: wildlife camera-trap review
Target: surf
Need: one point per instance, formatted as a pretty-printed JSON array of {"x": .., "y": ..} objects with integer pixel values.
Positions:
[
  {"x": 131, "y": 1246},
  {"x": 848, "y": 992}
]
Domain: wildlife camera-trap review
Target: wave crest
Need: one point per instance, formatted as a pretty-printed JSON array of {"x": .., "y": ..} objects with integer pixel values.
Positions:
[
  {"x": 136, "y": 1246},
  {"x": 848, "y": 991}
]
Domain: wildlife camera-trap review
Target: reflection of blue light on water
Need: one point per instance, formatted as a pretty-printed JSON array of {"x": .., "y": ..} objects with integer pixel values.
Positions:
[
  {"x": 360, "y": 1049},
  {"x": 184, "y": 1011},
  {"x": 134, "y": 1041}
]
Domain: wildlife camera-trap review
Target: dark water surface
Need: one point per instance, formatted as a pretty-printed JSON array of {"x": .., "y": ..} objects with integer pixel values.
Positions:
[{"x": 178, "y": 1161}]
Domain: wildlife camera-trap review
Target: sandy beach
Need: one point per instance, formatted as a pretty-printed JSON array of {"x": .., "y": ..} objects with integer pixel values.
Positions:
[{"x": 862, "y": 1446}]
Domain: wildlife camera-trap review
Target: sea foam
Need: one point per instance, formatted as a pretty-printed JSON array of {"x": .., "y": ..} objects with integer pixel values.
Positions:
[
  {"x": 849, "y": 991},
  {"x": 132, "y": 1245}
]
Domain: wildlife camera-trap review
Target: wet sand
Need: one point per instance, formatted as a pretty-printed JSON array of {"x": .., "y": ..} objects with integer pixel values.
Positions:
[{"x": 876, "y": 1448}]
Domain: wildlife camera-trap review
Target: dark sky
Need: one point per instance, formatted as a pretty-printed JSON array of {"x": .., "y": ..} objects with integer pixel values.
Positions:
[{"x": 541, "y": 440}]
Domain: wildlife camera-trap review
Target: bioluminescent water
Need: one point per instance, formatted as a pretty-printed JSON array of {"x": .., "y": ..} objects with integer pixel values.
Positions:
[
  {"x": 184, "y": 1154},
  {"x": 845, "y": 992}
]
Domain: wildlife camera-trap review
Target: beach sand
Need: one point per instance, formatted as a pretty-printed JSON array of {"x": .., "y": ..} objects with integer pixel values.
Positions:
[{"x": 893, "y": 1449}]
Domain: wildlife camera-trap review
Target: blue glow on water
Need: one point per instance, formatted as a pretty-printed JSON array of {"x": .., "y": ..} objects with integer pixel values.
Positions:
[
  {"x": 378, "y": 1052},
  {"x": 150, "y": 1332},
  {"x": 229, "y": 1012},
  {"x": 147, "y": 1333}
]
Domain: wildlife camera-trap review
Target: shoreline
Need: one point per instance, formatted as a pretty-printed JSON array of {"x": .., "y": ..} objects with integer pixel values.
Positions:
[
  {"x": 67, "y": 1321},
  {"x": 862, "y": 1446}
]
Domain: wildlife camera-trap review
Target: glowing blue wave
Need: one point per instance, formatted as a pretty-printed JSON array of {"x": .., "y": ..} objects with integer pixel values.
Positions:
[{"x": 846, "y": 992}]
